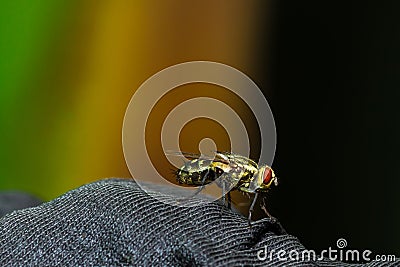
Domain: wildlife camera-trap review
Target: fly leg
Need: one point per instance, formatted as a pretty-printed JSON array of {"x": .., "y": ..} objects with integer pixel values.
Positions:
[
  {"x": 252, "y": 208},
  {"x": 264, "y": 208},
  {"x": 223, "y": 199},
  {"x": 229, "y": 200},
  {"x": 199, "y": 189}
]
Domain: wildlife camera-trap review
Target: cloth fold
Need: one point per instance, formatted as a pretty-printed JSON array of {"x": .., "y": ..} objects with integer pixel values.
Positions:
[{"x": 113, "y": 222}]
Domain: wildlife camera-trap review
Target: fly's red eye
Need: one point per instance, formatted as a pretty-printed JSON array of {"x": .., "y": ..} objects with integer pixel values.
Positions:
[{"x": 267, "y": 176}]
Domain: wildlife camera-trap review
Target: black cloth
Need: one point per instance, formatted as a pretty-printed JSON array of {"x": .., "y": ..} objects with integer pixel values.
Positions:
[
  {"x": 113, "y": 222},
  {"x": 15, "y": 200}
]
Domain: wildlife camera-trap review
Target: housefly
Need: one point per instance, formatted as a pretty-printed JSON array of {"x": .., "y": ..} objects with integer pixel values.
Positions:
[{"x": 236, "y": 172}]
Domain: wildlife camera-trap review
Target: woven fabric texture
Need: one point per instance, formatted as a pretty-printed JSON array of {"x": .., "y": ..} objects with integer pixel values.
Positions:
[{"x": 113, "y": 222}]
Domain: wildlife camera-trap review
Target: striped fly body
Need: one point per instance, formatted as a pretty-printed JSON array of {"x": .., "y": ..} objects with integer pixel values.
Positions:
[{"x": 236, "y": 172}]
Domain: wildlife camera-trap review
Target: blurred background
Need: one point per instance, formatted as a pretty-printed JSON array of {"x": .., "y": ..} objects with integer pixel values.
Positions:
[{"x": 330, "y": 72}]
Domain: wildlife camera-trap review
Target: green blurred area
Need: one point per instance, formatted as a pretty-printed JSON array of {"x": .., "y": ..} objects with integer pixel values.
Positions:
[{"x": 27, "y": 30}]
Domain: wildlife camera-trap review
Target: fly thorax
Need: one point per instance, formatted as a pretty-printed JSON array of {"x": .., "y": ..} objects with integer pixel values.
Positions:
[{"x": 257, "y": 180}]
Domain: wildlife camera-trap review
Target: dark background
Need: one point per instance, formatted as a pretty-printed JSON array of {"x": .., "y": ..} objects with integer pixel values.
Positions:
[{"x": 334, "y": 91}]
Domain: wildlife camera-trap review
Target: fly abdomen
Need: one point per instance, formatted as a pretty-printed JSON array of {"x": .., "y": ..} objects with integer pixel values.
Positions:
[
  {"x": 196, "y": 172},
  {"x": 195, "y": 178}
]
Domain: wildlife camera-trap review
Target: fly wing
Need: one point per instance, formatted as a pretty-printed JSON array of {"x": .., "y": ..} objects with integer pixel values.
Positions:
[
  {"x": 232, "y": 157},
  {"x": 181, "y": 153},
  {"x": 246, "y": 161},
  {"x": 217, "y": 158}
]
